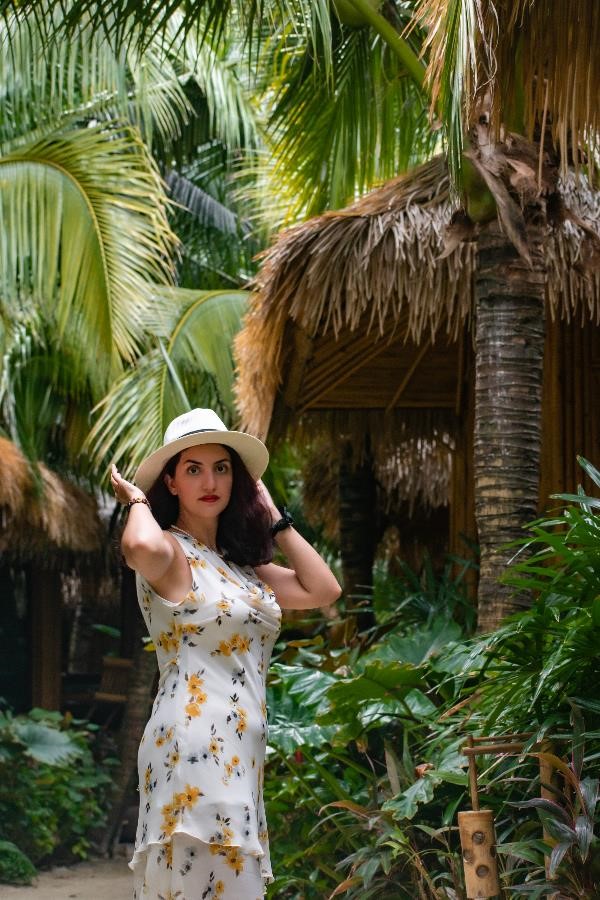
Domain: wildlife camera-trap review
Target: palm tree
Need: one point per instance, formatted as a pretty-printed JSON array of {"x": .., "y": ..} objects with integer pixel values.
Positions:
[{"x": 496, "y": 81}]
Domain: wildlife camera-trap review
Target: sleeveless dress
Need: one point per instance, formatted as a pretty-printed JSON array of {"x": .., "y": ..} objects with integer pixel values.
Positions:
[{"x": 201, "y": 758}]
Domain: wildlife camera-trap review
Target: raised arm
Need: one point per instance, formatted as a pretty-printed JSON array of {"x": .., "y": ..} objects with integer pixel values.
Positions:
[
  {"x": 308, "y": 582},
  {"x": 146, "y": 547}
]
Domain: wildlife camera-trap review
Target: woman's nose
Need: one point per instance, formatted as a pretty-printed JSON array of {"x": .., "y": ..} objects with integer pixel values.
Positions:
[{"x": 208, "y": 481}]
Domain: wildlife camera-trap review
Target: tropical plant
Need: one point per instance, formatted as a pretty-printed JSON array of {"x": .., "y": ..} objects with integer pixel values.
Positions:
[
  {"x": 80, "y": 119},
  {"x": 53, "y": 791},
  {"x": 569, "y": 817}
]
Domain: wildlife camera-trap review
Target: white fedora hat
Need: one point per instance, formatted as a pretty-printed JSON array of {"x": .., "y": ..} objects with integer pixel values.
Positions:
[{"x": 201, "y": 426}]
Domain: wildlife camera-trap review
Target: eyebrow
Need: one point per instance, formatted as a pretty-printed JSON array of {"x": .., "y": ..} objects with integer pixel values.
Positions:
[{"x": 216, "y": 462}]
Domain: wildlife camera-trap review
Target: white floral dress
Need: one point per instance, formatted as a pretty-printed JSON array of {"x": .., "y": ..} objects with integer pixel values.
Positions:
[{"x": 201, "y": 759}]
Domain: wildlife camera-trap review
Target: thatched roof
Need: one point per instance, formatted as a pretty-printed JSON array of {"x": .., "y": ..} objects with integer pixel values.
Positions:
[
  {"x": 358, "y": 320},
  {"x": 45, "y": 515}
]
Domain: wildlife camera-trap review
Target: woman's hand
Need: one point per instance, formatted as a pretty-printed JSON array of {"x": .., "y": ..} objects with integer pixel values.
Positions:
[
  {"x": 124, "y": 490},
  {"x": 268, "y": 500}
]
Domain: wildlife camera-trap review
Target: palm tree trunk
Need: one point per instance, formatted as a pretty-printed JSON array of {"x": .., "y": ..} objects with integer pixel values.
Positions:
[{"x": 509, "y": 347}]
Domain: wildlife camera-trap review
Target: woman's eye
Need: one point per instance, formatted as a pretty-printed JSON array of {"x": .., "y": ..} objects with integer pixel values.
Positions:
[
  {"x": 193, "y": 470},
  {"x": 222, "y": 467}
]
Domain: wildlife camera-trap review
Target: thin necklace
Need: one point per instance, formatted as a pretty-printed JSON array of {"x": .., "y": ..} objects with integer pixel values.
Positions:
[{"x": 212, "y": 549}]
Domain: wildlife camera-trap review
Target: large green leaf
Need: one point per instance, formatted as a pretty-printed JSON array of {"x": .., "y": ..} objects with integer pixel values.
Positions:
[
  {"x": 46, "y": 745},
  {"x": 381, "y": 682},
  {"x": 190, "y": 365},
  {"x": 83, "y": 231}
]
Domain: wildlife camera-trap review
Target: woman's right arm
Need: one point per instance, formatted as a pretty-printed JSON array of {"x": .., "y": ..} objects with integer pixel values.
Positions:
[{"x": 146, "y": 547}]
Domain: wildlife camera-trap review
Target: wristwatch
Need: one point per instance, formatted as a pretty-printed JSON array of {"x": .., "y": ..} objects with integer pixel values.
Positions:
[{"x": 281, "y": 524}]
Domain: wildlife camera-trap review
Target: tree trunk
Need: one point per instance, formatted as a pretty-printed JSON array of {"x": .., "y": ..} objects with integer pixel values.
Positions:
[
  {"x": 358, "y": 526},
  {"x": 137, "y": 710},
  {"x": 509, "y": 347}
]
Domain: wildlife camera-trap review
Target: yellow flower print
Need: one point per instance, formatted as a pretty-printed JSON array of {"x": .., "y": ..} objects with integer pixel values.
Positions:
[
  {"x": 224, "y": 649},
  {"x": 213, "y": 746},
  {"x": 227, "y": 577},
  {"x": 169, "y": 823},
  {"x": 194, "y": 683},
  {"x": 167, "y": 641},
  {"x": 238, "y": 715},
  {"x": 234, "y": 860},
  {"x": 219, "y": 888},
  {"x": 197, "y": 695},
  {"x": 197, "y": 563},
  {"x": 188, "y": 798},
  {"x": 149, "y": 785},
  {"x": 163, "y": 735},
  {"x": 223, "y": 609},
  {"x": 232, "y": 767},
  {"x": 192, "y": 710},
  {"x": 263, "y": 708},
  {"x": 223, "y": 836},
  {"x": 241, "y": 643}
]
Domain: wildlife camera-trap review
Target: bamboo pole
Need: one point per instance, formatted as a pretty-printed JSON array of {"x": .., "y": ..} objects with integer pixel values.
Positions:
[{"x": 478, "y": 843}]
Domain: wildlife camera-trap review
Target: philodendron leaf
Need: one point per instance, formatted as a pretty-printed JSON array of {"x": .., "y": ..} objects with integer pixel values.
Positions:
[
  {"x": 406, "y": 804},
  {"x": 379, "y": 681},
  {"x": 46, "y": 745}
]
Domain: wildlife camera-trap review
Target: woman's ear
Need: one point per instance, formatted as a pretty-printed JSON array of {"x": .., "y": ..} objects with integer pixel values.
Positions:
[{"x": 170, "y": 486}]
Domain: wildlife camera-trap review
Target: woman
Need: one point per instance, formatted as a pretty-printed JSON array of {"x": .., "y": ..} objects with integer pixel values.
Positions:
[{"x": 199, "y": 535}]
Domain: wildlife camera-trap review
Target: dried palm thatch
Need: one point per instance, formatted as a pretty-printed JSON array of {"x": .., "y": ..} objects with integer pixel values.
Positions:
[
  {"x": 45, "y": 517},
  {"x": 542, "y": 53},
  {"x": 380, "y": 264},
  {"x": 414, "y": 472},
  {"x": 383, "y": 265}
]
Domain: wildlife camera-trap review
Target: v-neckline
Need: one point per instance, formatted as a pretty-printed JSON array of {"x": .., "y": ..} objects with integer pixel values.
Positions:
[{"x": 200, "y": 543}]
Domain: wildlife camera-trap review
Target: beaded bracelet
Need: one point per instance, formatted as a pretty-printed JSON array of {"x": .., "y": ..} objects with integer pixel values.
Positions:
[{"x": 130, "y": 503}]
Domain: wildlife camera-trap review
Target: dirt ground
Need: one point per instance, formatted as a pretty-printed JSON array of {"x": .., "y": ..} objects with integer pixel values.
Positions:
[{"x": 100, "y": 879}]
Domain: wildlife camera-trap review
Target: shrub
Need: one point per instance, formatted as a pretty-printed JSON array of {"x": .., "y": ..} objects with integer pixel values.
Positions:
[
  {"x": 52, "y": 790},
  {"x": 15, "y": 868}
]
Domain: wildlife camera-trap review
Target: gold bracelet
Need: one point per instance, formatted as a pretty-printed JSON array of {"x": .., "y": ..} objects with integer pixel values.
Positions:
[{"x": 130, "y": 503}]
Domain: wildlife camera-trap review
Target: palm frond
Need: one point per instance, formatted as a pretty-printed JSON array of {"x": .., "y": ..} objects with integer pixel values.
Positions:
[
  {"x": 200, "y": 204},
  {"x": 193, "y": 333},
  {"x": 83, "y": 231},
  {"x": 47, "y": 80},
  {"x": 461, "y": 60},
  {"x": 332, "y": 139}
]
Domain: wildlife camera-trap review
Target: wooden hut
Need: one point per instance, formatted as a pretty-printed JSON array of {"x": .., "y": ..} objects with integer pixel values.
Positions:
[
  {"x": 360, "y": 329},
  {"x": 47, "y": 525}
]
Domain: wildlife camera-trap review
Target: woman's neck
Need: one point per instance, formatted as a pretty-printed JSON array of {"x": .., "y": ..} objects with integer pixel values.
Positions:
[{"x": 204, "y": 530}]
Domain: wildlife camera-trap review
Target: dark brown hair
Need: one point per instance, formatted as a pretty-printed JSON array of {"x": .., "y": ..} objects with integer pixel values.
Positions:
[{"x": 244, "y": 531}]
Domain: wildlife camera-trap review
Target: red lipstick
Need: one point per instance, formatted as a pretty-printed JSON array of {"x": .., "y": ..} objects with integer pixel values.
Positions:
[{"x": 210, "y": 498}]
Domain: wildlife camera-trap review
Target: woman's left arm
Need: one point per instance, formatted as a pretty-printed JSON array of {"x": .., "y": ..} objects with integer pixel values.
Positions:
[{"x": 308, "y": 582}]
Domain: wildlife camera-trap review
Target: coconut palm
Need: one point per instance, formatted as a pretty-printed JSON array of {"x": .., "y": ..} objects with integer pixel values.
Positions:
[
  {"x": 515, "y": 86},
  {"x": 86, "y": 242},
  {"x": 518, "y": 105}
]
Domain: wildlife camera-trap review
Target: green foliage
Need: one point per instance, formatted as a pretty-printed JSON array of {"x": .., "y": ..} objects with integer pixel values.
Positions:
[
  {"x": 366, "y": 772},
  {"x": 52, "y": 790},
  {"x": 15, "y": 868}
]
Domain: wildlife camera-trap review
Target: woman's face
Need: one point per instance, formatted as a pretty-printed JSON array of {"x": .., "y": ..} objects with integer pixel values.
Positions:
[{"x": 203, "y": 480}]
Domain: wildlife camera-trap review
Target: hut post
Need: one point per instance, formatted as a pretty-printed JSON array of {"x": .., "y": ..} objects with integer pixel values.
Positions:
[
  {"x": 357, "y": 511},
  {"x": 45, "y": 598}
]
